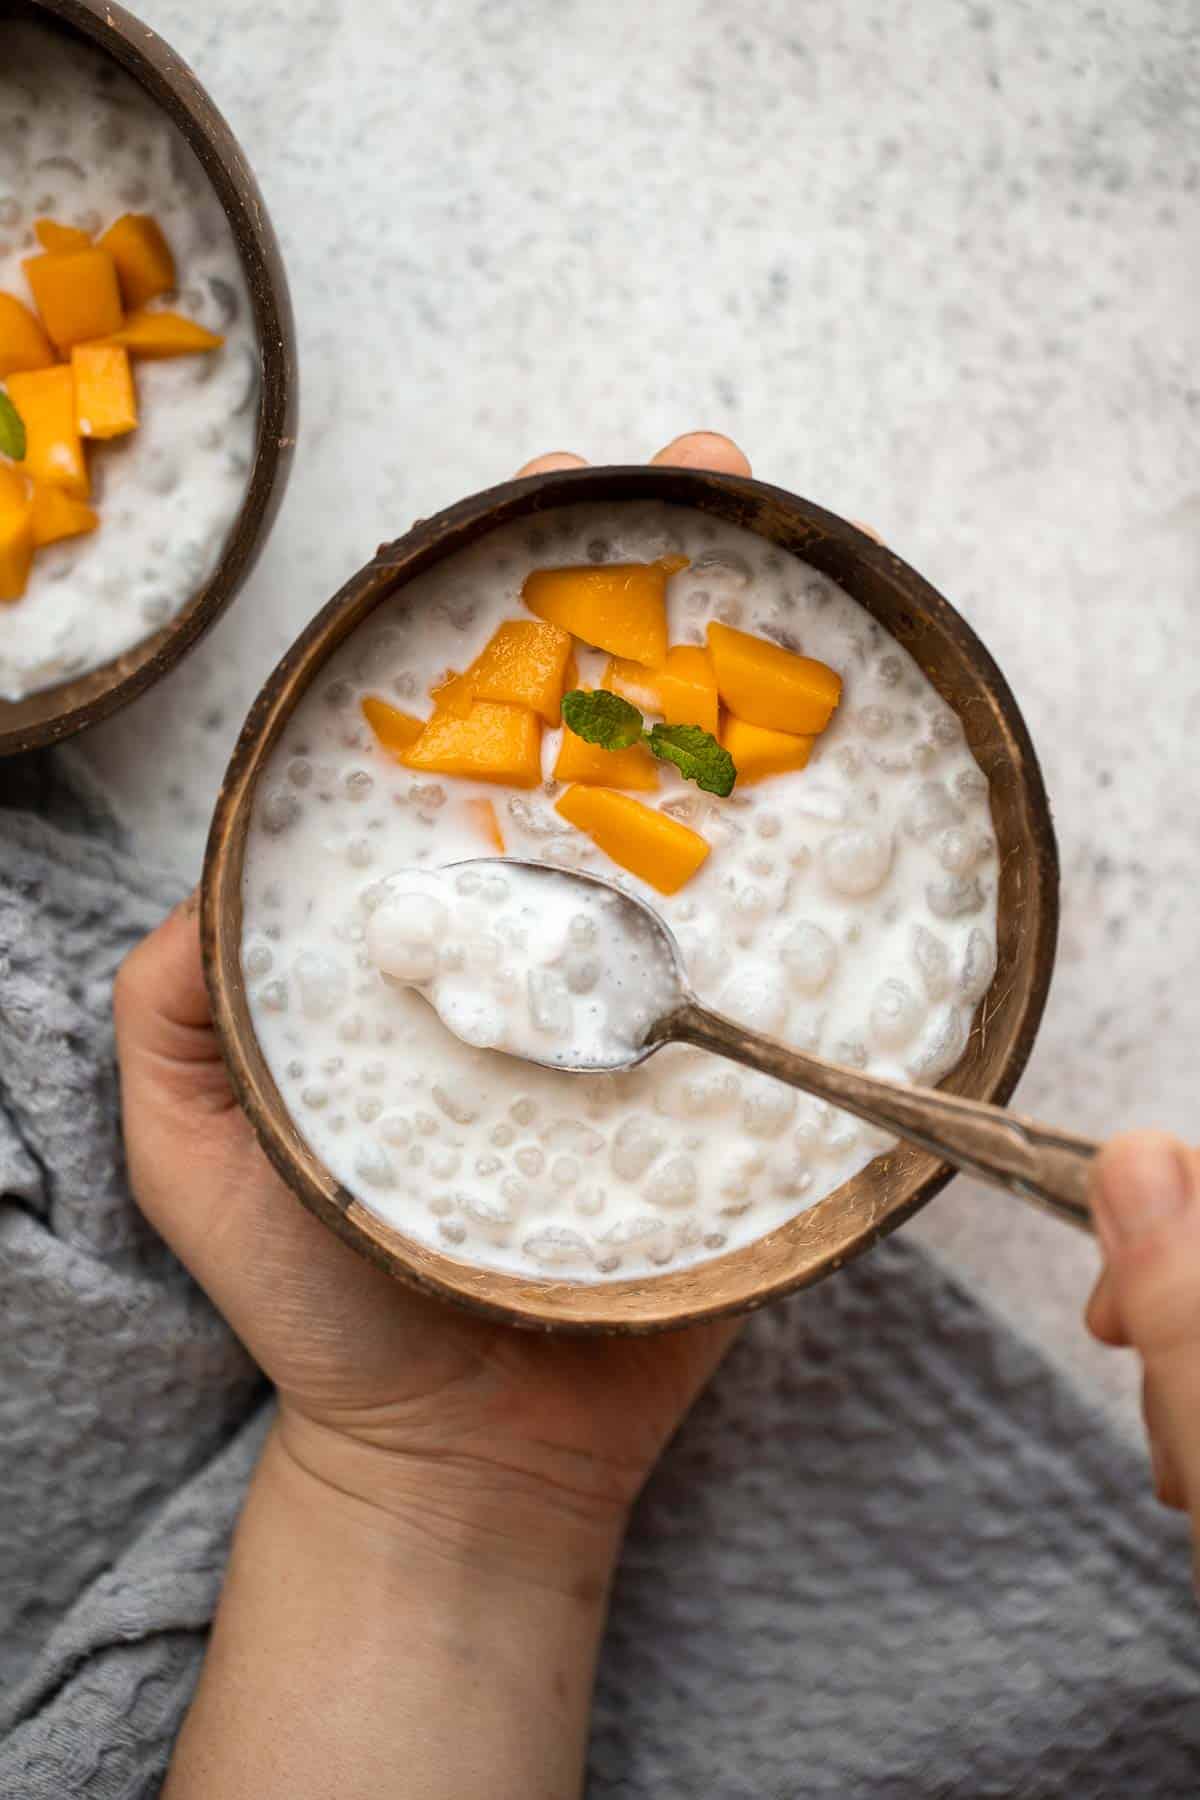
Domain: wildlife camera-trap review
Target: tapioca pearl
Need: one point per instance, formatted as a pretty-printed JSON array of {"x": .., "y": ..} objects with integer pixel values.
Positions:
[
  {"x": 300, "y": 772},
  {"x": 321, "y": 983},
  {"x": 487, "y": 1165},
  {"x": 350, "y": 1028},
  {"x": 360, "y": 853},
  {"x": 367, "y": 1108},
  {"x": 582, "y": 973},
  {"x": 295, "y": 1069},
  {"x": 957, "y": 850},
  {"x": 501, "y": 1136},
  {"x": 523, "y": 1110},
  {"x": 849, "y": 760},
  {"x": 403, "y": 934},
  {"x": 524, "y": 817},
  {"x": 971, "y": 785},
  {"x": 257, "y": 960},
  {"x": 394, "y": 1128},
  {"x": 857, "y": 863},
  {"x": 767, "y": 824},
  {"x": 488, "y": 1209},
  {"x": 273, "y": 996},
  {"x": 495, "y": 890},
  {"x": 549, "y": 1002},
  {"x": 932, "y": 810},
  {"x": 672, "y": 1183},
  {"x": 933, "y": 961},
  {"x": 954, "y": 896},
  {"x": 530, "y": 1160},
  {"x": 636, "y": 1143},
  {"x": 441, "y": 1206},
  {"x": 687, "y": 808},
  {"x": 564, "y": 1172},
  {"x": 941, "y": 1047},
  {"x": 767, "y": 1108},
  {"x": 739, "y": 1175},
  {"x": 426, "y": 1124},
  {"x": 357, "y": 785},
  {"x": 842, "y": 1135},
  {"x": 468, "y": 881},
  {"x": 462, "y": 1103},
  {"x": 556, "y": 1246},
  {"x": 338, "y": 695},
  {"x": 693, "y": 1092},
  {"x": 850, "y": 1052},
  {"x": 978, "y": 966},
  {"x": 404, "y": 684},
  {"x": 314, "y": 1096},
  {"x": 945, "y": 728},
  {"x": 809, "y": 955},
  {"x": 641, "y": 1229},
  {"x": 875, "y": 721},
  {"x": 274, "y": 932},
  {"x": 373, "y": 1165},
  {"x": 755, "y": 996},
  {"x": 590, "y": 1201},
  {"x": 453, "y": 1231},
  {"x": 279, "y": 811},
  {"x": 896, "y": 1014},
  {"x": 789, "y": 1175},
  {"x": 572, "y": 1137}
]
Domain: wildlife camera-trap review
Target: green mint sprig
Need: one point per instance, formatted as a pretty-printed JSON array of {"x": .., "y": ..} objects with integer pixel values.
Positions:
[
  {"x": 611, "y": 722},
  {"x": 12, "y": 429}
]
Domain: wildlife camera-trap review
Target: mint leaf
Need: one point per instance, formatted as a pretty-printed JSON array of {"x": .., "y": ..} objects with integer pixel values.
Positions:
[
  {"x": 602, "y": 718},
  {"x": 12, "y": 429},
  {"x": 696, "y": 754}
]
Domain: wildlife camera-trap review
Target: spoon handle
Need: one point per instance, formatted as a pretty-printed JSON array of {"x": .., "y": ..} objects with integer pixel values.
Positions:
[{"x": 1045, "y": 1166}]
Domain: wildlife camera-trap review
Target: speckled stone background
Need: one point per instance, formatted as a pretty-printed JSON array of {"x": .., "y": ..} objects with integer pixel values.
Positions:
[{"x": 934, "y": 263}]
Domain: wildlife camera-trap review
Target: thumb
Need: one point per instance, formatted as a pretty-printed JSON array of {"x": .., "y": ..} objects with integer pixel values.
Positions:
[{"x": 1146, "y": 1200}]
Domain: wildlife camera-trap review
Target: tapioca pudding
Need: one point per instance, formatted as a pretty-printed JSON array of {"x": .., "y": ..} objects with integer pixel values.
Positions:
[{"x": 741, "y": 745}]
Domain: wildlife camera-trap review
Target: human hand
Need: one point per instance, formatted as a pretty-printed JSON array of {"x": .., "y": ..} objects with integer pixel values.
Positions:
[
  {"x": 1145, "y": 1193},
  {"x": 402, "y": 1401}
]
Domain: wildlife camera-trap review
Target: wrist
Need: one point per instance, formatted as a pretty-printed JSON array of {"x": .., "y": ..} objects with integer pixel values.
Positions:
[{"x": 445, "y": 1512}]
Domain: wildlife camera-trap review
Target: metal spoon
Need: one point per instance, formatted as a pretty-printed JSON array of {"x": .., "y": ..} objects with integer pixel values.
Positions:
[{"x": 1045, "y": 1166}]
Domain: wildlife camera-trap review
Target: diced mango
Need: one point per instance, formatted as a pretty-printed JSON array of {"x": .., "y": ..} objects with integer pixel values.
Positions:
[
  {"x": 16, "y": 532},
  {"x": 578, "y": 760},
  {"x": 683, "y": 691},
  {"x": 483, "y": 816},
  {"x": 524, "y": 664},
  {"x": 394, "y": 730},
  {"x": 452, "y": 694},
  {"x": 105, "y": 403},
  {"x": 155, "y": 335},
  {"x": 492, "y": 743},
  {"x": 57, "y": 514},
  {"x": 59, "y": 238},
  {"x": 76, "y": 294},
  {"x": 23, "y": 343},
  {"x": 618, "y": 607},
  {"x": 768, "y": 686},
  {"x": 649, "y": 844},
  {"x": 145, "y": 266},
  {"x": 757, "y": 752},
  {"x": 45, "y": 399}
]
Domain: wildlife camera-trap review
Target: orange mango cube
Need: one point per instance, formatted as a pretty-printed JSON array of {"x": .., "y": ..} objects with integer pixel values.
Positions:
[
  {"x": 758, "y": 752},
  {"x": 57, "y": 514},
  {"x": 156, "y": 335},
  {"x": 144, "y": 264},
  {"x": 76, "y": 294},
  {"x": 765, "y": 685},
  {"x": 483, "y": 816},
  {"x": 452, "y": 694},
  {"x": 105, "y": 403},
  {"x": 394, "y": 730},
  {"x": 683, "y": 691},
  {"x": 578, "y": 760},
  {"x": 491, "y": 743},
  {"x": 524, "y": 664},
  {"x": 45, "y": 399},
  {"x": 649, "y": 844},
  {"x": 23, "y": 343},
  {"x": 59, "y": 238},
  {"x": 16, "y": 532},
  {"x": 618, "y": 607}
]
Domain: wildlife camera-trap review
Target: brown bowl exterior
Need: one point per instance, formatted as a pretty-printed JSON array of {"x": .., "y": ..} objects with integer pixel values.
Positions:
[
  {"x": 849, "y": 1220},
  {"x": 69, "y": 706}
]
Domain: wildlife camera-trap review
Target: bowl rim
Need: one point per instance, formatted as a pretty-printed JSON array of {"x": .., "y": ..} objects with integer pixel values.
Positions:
[
  {"x": 665, "y": 1301},
  {"x": 67, "y": 707}
]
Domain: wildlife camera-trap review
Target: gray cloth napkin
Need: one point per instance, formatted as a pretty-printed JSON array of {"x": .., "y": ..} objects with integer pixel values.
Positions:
[{"x": 890, "y": 1553}]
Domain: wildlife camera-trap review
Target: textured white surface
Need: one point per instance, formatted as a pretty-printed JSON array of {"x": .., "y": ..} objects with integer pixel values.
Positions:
[{"x": 934, "y": 264}]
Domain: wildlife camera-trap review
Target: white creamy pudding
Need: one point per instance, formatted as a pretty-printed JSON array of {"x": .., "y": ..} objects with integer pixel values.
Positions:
[
  {"x": 82, "y": 146},
  {"x": 848, "y": 906}
]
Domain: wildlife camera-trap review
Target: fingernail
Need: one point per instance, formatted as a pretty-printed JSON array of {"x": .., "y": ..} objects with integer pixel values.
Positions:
[{"x": 1142, "y": 1188}]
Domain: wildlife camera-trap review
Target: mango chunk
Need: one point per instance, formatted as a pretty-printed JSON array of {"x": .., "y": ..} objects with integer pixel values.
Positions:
[
  {"x": 649, "y": 844},
  {"x": 578, "y": 760},
  {"x": 757, "y": 752},
  {"x": 156, "y": 335},
  {"x": 57, "y": 514},
  {"x": 492, "y": 743},
  {"x": 483, "y": 816},
  {"x": 452, "y": 694},
  {"x": 394, "y": 730},
  {"x": 59, "y": 238},
  {"x": 76, "y": 294},
  {"x": 45, "y": 399},
  {"x": 683, "y": 691},
  {"x": 105, "y": 403},
  {"x": 618, "y": 607},
  {"x": 145, "y": 266},
  {"x": 524, "y": 664},
  {"x": 23, "y": 343},
  {"x": 767, "y": 686},
  {"x": 16, "y": 533}
]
